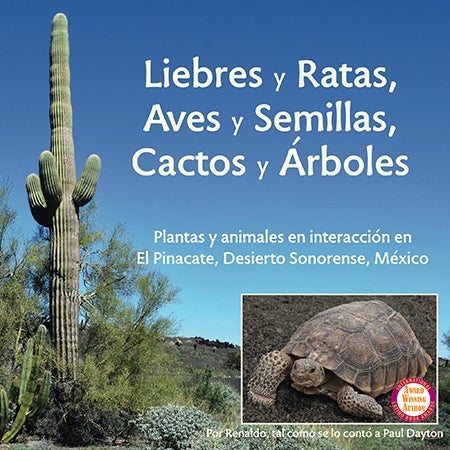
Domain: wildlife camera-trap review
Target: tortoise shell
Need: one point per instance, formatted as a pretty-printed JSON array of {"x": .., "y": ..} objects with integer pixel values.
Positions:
[{"x": 367, "y": 344}]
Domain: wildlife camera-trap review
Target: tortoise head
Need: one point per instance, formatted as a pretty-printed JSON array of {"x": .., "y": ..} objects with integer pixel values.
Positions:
[{"x": 307, "y": 373}]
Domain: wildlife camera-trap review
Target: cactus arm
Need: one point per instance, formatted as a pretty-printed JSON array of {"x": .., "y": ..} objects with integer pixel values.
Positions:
[
  {"x": 18, "y": 423},
  {"x": 26, "y": 371},
  {"x": 86, "y": 185},
  {"x": 42, "y": 396},
  {"x": 4, "y": 410},
  {"x": 29, "y": 403},
  {"x": 36, "y": 199},
  {"x": 31, "y": 367},
  {"x": 50, "y": 182},
  {"x": 39, "y": 344}
]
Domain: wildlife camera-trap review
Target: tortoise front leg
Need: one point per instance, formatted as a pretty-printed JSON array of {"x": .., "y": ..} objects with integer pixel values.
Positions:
[
  {"x": 272, "y": 369},
  {"x": 356, "y": 404}
]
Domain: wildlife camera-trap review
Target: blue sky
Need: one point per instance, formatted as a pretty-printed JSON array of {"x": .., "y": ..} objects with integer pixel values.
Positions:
[{"x": 110, "y": 42}]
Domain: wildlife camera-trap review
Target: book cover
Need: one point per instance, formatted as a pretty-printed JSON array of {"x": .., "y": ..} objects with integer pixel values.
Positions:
[{"x": 239, "y": 217}]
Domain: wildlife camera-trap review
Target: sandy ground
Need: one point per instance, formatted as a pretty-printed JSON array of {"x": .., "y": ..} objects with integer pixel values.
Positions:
[{"x": 270, "y": 320}]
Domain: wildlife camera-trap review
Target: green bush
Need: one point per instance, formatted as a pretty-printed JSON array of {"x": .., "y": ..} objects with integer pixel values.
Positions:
[
  {"x": 444, "y": 390},
  {"x": 213, "y": 396},
  {"x": 173, "y": 427},
  {"x": 444, "y": 414},
  {"x": 234, "y": 360},
  {"x": 97, "y": 409},
  {"x": 83, "y": 423},
  {"x": 19, "y": 309}
]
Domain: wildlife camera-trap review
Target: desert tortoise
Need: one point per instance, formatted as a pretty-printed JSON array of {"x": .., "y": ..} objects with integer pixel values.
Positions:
[{"x": 364, "y": 344}]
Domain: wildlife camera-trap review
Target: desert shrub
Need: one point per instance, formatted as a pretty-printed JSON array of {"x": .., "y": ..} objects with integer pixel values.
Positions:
[
  {"x": 98, "y": 408},
  {"x": 234, "y": 360},
  {"x": 152, "y": 378},
  {"x": 213, "y": 396},
  {"x": 263, "y": 437},
  {"x": 444, "y": 390},
  {"x": 82, "y": 423},
  {"x": 173, "y": 427},
  {"x": 19, "y": 309}
]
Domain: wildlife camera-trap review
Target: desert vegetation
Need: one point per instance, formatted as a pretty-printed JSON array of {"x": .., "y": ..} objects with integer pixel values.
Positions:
[{"x": 126, "y": 365}]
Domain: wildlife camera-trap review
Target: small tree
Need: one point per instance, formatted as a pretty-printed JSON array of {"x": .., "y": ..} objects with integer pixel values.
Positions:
[
  {"x": 125, "y": 365},
  {"x": 19, "y": 312}
]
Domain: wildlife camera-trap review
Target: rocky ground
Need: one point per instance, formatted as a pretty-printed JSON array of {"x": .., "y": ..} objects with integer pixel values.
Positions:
[{"x": 268, "y": 323}]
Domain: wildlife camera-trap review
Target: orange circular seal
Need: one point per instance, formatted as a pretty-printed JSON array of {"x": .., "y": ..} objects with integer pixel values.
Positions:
[{"x": 413, "y": 399}]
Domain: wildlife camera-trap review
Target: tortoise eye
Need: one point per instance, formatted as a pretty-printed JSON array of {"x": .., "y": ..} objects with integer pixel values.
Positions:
[{"x": 312, "y": 370}]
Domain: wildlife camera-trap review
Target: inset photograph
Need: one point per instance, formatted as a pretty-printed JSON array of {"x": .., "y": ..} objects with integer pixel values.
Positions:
[{"x": 339, "y": 358}]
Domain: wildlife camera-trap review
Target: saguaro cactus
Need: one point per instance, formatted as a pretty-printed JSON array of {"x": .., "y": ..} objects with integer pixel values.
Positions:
[
  {"x": 34, "y": 388},
  {"x": 55, "y": 197}
]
